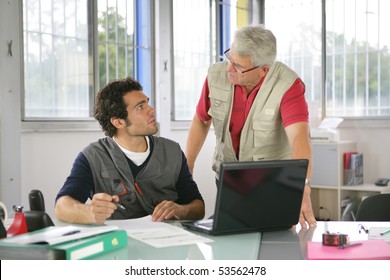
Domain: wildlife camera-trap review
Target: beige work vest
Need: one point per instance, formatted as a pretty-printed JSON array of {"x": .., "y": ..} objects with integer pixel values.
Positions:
[{"x": 263, "y": 136}]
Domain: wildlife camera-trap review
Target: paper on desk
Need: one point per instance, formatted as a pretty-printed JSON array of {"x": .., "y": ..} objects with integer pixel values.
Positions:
[
  {"x": 375, "y": 233},
  {"x": 157, "y": 234}
]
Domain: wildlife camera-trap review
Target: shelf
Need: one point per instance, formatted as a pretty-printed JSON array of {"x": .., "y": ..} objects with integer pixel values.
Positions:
[
  {"x": 325, "y": 187},
  {"x": 327, "y": 190},
  {"x": 366, "y": 188}
]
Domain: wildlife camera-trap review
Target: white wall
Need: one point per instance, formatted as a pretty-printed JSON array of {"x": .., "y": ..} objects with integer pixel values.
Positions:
[
  {"x": 10, "y": 88},
  {"x": 47, "y": 159}
]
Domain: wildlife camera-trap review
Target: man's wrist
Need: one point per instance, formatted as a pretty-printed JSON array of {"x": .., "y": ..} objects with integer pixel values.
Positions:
[{"x": 307, "y": 182}]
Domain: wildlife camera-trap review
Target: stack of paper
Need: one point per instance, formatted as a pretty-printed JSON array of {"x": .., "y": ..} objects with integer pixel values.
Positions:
[{"x": 158, "y": 234}]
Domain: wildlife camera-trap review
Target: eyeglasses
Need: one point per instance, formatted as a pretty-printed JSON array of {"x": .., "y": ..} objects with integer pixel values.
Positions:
[{"x": 235, "y": 66}]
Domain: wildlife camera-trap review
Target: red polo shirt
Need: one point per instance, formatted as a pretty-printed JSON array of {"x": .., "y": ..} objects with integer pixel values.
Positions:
[{"x": 293, "y": 107}]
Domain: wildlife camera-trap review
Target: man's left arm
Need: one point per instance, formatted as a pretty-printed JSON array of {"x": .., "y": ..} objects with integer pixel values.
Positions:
[{"x": 299, "y": 138}]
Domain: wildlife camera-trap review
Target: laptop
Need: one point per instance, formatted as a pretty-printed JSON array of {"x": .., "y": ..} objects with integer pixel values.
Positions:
[{"x": 256, "y": 196}]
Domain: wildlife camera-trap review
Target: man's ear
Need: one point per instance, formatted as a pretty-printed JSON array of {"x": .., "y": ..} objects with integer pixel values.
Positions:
[
  {"x": 118, "y": 123},
  {"x": 265, "y": 69}
]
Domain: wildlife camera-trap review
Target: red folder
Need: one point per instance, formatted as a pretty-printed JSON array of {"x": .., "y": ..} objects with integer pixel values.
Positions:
[
  {"x": 347, "y": 159},
  {"x": 369, "y": 250}
]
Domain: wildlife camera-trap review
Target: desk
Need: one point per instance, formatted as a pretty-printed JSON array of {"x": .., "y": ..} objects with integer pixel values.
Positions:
[{"x": 275, "y": 245}]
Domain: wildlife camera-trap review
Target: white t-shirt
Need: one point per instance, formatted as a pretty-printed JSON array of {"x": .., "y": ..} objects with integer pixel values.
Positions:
[{"x": 137, "y": 158}]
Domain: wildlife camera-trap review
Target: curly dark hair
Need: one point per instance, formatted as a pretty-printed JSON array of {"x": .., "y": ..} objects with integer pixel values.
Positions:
[{"x": 110, "y": 103}]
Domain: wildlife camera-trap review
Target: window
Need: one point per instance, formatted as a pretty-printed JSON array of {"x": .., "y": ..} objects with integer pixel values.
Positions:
[
  {"x": 115, "y": 40},
  {"x": 124, "y": 41},
  {"x": 196, "y": 45},
  {"x": 57, "y": 76},
  {"x": 356, "y": 53},
  {"x": 299, "y": 43},
  {"x": 62, "y": 68},
  {"x": 357, "y": 58},
  {"x": 194, "y": 50}
]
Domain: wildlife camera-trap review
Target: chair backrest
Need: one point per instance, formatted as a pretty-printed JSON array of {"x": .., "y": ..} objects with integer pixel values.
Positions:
[{"x": 374, "y": 208}]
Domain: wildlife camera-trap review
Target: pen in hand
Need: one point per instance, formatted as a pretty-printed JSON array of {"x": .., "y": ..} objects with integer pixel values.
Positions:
[{"x": 118, "y": 204}]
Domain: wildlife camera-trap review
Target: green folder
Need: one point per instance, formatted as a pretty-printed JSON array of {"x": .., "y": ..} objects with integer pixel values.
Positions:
[{"x": 84, "y": 248}]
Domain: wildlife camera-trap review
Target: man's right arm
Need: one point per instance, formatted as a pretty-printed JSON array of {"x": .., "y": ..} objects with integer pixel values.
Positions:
[
  {"x": 195, "y": 140},
  {"x": 70, "y": 210},
  {"x": 78, "y": 188}
]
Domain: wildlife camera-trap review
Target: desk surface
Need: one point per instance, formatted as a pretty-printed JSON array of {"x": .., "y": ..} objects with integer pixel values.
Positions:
[{"x": 283, "y": 245}]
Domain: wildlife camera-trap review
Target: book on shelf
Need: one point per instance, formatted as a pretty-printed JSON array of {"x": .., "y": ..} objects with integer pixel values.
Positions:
[
  {"x": 353, "y": 168},
  {"x": 65, "y": 243}
]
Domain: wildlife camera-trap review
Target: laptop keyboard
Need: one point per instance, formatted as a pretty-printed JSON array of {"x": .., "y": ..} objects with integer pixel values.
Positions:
[{"x": 206, "y": 223}]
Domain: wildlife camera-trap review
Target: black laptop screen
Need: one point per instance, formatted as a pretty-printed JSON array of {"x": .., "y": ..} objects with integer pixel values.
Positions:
[{"x": 260, "y": 195}]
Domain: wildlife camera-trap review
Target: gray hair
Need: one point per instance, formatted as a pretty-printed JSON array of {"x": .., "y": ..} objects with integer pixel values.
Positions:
[{"x": 257, "y": 43}]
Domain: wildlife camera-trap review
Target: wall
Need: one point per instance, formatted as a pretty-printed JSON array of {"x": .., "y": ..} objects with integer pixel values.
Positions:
[
  {"x": 47, "y": 159},
  {"x": 10, "y": 88}
]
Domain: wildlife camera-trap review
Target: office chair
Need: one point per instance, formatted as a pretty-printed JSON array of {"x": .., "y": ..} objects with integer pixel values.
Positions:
[{"x": 374, "y": 208}]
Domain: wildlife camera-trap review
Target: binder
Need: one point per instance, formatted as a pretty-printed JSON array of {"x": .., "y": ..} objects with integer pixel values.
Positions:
[
  {"x": 84, "y": 248},
  {"x": 57, "y": 234},
  {"x": 368, "y": 250}
]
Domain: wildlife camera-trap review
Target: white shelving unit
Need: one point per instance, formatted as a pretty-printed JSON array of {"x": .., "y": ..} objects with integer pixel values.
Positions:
[
  {"x": 326, "y": 200},
  {"x": 328, "y": 189}
]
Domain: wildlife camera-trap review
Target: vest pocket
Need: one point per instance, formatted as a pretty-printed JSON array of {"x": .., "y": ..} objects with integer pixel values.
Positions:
[
  {"x": 115, "y": 185},
  {"x": 219, "y": 102},
  {"x": 220, "y": 106},
  {"x": 266, "y": 134}
]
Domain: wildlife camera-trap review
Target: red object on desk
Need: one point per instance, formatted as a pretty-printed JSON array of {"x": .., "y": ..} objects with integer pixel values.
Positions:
[
  {"x": 375, "y": 249},
  {"x": 19, "y": 225}
]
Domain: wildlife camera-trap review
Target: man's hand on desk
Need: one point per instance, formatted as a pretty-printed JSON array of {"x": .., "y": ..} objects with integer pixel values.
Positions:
[
  {"x": 167, "y": 210},
  {"x": 307, "y": 214},
  {"x": 304, "y": 234}
]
